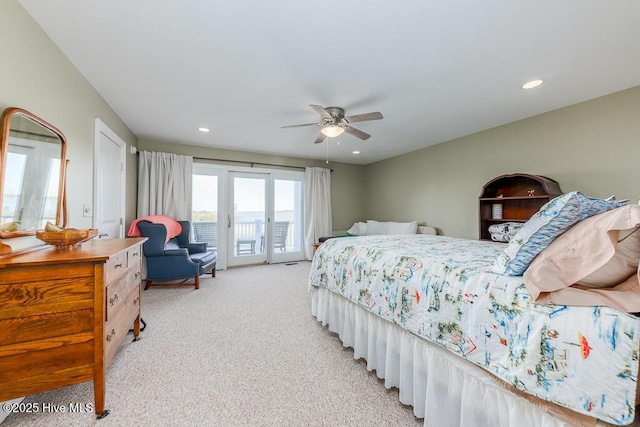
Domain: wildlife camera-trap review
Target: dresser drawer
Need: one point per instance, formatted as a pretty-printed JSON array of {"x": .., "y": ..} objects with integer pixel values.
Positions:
[
  {"x": 45, "y": 327},
  {"x": 116, "y": 328},
  {"x": 118, "y": 290},
  {"x": 134, "y": 256},
  {"x": 115, "y": 266}
]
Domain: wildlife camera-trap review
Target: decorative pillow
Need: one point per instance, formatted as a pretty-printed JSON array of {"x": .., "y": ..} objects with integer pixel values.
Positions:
[
  {"x": 403, "y": 227},
  {"x": 553, "y": 219},
  {"x": 600, "y": 252},
  {"x": 505, "y": 231},
  {"x": 375, "y": 227}
]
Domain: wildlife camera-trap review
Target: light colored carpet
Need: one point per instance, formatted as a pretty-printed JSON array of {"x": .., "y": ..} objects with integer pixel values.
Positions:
[{"x": 242, "y": 350}]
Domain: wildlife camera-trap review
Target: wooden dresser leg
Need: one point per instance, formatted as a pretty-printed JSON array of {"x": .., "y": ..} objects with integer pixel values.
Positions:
[
  {"x": 136, "y": 329},
  {"x": 102, "y": 414},
  {"x": 99, "y": 394}
]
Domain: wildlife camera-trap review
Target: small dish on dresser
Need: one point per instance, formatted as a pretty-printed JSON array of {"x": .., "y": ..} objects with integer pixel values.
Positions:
[{"x": 68, "y": 238}]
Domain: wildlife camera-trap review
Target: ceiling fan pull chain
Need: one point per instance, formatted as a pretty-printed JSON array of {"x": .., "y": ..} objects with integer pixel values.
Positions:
[{"x": 327, "y": 144}]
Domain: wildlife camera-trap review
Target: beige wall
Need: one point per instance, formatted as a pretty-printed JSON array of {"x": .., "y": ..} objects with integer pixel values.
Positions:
[
  {"x": 347, "y": 181},
  {"x": 591, "y": 147},
  {"x": 37, "y": 77}
]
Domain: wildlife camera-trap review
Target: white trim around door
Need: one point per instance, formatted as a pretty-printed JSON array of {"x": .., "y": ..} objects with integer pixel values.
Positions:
[{"x": 109, "y": 178}]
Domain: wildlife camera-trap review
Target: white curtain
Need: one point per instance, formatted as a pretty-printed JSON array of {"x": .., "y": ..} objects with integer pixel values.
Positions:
[
  {"x": 317, "y": 206},
  {"x": 164, "y": 185}
]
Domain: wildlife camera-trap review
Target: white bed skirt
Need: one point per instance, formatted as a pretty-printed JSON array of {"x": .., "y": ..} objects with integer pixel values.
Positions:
[{"x": 443, "y": 389}]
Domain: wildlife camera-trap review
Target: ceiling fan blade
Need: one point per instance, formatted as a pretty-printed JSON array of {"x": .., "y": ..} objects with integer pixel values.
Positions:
[
  {"x": 364, "y": 117},
  {"x": 297, "y": 126},
  {"x": 320, "y": 138},
  {"x": 357, "y": 133},
  {"x": 323, "y": 113}
]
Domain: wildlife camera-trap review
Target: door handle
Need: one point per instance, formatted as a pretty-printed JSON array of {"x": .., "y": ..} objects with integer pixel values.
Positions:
[{"x": 228, "y": 221}]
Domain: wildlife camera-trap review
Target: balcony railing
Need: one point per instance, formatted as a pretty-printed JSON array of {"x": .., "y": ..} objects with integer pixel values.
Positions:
[{"x": 207, "y": 231}]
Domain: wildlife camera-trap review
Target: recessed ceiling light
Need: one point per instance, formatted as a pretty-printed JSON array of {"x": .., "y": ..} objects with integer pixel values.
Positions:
[
  {"x": 205, "y": 130},
  {"x": 532, "y": 84},
  {"x": 356, "y": 152}
]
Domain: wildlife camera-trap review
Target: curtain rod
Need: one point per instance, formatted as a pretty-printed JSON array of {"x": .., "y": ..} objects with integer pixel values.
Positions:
[{"x": 246, "y": 162}]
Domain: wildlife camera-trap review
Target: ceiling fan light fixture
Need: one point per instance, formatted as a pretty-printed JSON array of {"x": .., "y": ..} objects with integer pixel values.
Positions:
[{"x": 332, "y": 131}]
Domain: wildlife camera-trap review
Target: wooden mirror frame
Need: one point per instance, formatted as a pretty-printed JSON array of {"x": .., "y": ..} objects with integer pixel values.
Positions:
[{"x": 5, "y": 129}]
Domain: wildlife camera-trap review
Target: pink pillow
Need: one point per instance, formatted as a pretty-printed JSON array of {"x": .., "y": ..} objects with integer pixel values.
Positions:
[
  {"x": 588, "y": 252},
  {"x": 620, "y": 266}
]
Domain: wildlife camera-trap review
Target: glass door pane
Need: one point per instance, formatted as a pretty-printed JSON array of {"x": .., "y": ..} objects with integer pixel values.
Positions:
[
  {"x": 246, "y": 222},
  {"x": 288, "y": 227},
  {"x": 204, "y": 214}
]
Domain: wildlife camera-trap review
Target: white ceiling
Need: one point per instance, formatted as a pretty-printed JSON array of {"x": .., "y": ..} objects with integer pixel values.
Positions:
[{"x": 436, "y": 70}]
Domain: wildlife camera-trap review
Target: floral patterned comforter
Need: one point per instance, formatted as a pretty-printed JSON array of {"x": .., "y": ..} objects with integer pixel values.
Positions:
[{"x": 582, "y": 358}]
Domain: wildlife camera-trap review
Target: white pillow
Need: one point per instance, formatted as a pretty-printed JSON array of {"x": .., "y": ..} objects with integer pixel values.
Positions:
[
  {"x": 375, "y": 227},
  {"x": 354, "y": 230},
  {"x": 362, "y": 229},
  {"x": 358, "y": 229},
  {"x": 403, "y": 227}
]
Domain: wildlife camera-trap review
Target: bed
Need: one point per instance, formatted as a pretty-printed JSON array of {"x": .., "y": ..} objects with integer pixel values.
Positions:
[{"x": 467, "y": 346}]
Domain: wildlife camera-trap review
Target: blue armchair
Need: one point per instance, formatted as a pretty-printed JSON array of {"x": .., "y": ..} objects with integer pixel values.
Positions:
[{"x": 177, "y": 258}]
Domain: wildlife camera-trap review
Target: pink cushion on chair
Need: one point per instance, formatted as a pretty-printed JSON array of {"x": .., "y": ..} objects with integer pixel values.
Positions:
[{"x": 173, "y": 227}]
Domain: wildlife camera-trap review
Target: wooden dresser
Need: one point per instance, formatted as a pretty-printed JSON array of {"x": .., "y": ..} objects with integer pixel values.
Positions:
[{"x": 63, "y": 315}]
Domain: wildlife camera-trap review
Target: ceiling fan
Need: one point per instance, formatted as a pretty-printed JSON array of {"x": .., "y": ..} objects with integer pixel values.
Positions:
[{"x": 334, "y": 123}]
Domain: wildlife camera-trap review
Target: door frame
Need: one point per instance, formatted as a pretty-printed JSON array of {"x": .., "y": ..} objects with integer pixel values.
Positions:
[{"x": 102, "y": 128}]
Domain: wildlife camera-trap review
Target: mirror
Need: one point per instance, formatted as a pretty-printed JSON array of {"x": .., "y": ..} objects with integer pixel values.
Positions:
[{"x": 32, "y": 174}]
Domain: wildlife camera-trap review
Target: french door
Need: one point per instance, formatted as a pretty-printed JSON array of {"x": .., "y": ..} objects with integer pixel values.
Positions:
[
  {"x": 249, "y": 216},
  {"x": 286, "y": 229}
]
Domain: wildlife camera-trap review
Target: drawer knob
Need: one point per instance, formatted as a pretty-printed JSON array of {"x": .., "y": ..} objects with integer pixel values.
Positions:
[
  {"x": 113, "y": 299},
  {"x": 136, "y": 300},
  {"x": 112, "y": 335},
  {"x": 137, "y": 275}
]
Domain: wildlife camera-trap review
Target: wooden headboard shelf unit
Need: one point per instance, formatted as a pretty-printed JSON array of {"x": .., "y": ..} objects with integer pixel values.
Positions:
[{"x": 520, "y": 196}]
